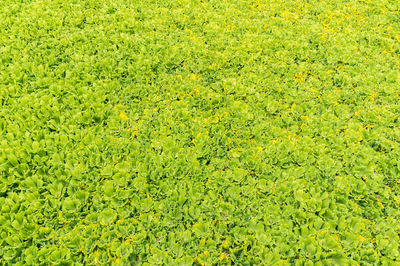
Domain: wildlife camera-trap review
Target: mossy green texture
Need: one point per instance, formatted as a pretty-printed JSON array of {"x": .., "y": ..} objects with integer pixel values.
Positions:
[{"x": 192, "y": 132}]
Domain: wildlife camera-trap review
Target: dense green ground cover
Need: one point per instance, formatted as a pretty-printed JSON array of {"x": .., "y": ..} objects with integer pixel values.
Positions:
[{"x": 199, "y": 132}]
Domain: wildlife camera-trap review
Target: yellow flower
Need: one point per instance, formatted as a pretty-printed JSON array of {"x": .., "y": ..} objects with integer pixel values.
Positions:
[
  {"x": 225, "y": 244},
  {"x": 123, "y": 116},
  {"x": 374, "y": 96},
  {"x": 362, "y": 238},
  {"x": 223, "y": 257},
  {"x": 396, "y": 200}
]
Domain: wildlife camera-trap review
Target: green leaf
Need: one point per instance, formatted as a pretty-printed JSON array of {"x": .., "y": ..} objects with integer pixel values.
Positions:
[{"x": 107, "y": 216}]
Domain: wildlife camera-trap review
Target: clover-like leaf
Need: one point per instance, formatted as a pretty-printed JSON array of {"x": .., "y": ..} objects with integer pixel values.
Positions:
[{"x": 107, "y": 216}]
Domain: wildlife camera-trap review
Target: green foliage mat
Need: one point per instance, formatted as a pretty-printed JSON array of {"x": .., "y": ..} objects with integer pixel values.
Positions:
[{"x": 199, "y": 132}]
